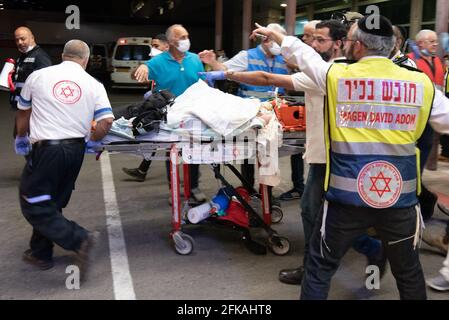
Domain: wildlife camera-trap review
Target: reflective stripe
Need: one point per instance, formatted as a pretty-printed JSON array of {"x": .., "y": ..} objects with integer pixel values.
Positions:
[
  {"x": 350, "y": 185},
  {"x": 370, "y": 148},
  {"x": 257, "y": 62},
  {"x": 23, "y": 102},
  {"x": 377, "y": 117},
  {"x": 102, "y": 110},
  {"x": 37, "y": 199},
  {"x": 280, "y": 65},
  {"x": 19, "y": 84}
]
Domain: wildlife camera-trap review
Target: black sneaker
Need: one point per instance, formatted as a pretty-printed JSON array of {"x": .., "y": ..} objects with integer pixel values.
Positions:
[
  {"x": 291, "y": 195},
  {"x": 41, "y": 264},
  {"x": 136, "y": 174}
]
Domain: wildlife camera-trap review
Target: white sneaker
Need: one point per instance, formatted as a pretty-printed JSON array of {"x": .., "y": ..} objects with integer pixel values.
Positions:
[{"x": 438, "y": 283}]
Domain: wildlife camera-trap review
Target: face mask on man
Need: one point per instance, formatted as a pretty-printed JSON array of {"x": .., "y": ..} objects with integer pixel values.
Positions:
[
  {"x": 275, "y": 49},
  {"x": 426, "y": 53},
  {"x": 154, "y": 52},
  {"x": 183, "y": 45}
]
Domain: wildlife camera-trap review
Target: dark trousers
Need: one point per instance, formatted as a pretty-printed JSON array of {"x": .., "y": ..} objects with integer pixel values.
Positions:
[
  {"x": 297, "y": 166},
  {"x": 444, "y": 140},
  {"x": 248, "y": 171},
  {"x": 311, "y": 202},
  {"x": 425, "y": 145},
  {"x": 46, "y": 187},
  {"x": 145, "y": 165},
  {"x": 396, "y": 228}
]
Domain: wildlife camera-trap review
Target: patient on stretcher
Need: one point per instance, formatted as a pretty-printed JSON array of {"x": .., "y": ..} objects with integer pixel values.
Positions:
[{"x": 207, "y": 111}]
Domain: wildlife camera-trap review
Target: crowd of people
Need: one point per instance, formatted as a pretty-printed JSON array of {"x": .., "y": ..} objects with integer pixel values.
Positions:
[{"x": 341, "y": 202}]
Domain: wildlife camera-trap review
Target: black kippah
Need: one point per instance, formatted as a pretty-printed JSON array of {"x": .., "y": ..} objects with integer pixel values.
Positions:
[{"x": 376, "y": 25}]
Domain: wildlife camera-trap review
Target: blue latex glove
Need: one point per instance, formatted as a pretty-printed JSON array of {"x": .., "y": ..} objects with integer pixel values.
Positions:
[
  {"x": 212, "y": 76},
  {"x": 93, "y": 146},
  {"x": 22, "y": 145}
]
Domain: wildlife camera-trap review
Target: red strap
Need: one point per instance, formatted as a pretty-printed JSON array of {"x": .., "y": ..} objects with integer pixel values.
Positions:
[{"x": 11, "y": 85}]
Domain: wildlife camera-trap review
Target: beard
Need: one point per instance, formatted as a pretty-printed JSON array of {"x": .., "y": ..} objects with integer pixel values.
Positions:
[
  {"x": 349, "y": 52},
  {"x": 326, "y": 55}
]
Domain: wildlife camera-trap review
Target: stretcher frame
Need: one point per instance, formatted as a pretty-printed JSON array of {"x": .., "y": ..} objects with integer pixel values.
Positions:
[{"x": 293, "y": 142}]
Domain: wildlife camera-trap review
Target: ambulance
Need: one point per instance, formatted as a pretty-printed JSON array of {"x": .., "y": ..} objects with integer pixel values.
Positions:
[{"x": 128, "y": 54}]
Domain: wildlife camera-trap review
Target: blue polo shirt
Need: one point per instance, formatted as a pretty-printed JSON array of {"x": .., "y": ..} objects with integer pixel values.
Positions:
[{"x": 171, "y": 75}]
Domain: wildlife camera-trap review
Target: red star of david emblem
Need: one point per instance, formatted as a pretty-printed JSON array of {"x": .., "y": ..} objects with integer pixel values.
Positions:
[
  {"x": 386, "y": 187},
  {"x": 67, "y": 91}
]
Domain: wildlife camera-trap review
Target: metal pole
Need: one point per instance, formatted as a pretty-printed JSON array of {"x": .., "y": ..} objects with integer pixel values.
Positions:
[
  {"x": 247, "y": 23},
  {"x": 416, "y": 7},
  {"x": 290, "y": 17},
  {"x": 441, "y": 20},
  {"x": 218, "y": 24}
]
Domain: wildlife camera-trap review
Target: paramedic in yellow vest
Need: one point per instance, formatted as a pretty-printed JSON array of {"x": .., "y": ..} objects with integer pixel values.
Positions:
[
  {"x": 375, "y": 112},
  {"x": 327, "y": 40}
]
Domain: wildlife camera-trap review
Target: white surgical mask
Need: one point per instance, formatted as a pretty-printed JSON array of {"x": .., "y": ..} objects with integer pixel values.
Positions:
[
  {"x": 275, "y": 49},
  {"x": 426, "y": 53},
  {"x": 183, "y": 45},
  {"x": 154, "y": 52}
]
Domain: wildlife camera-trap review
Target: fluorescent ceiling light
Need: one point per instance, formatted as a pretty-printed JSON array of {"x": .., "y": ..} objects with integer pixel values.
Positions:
[{"x": 283, "y": 5}]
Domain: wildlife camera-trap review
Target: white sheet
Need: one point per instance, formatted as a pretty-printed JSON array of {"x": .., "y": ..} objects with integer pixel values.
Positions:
[{"x": 221, "y": 111}]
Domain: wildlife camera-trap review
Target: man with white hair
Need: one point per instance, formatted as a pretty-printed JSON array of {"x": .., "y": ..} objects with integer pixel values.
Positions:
[
  {"x": 309, "y": 29},
  {"x": 57, "y": 106},
  {"x": 265, "y": 57}
]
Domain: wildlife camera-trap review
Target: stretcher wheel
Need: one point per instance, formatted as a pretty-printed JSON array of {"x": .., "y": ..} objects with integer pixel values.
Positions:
[
  {"x": 279, "y": 245},
  {"x": 183, "y": 243},
  {"x": 276, "y": 214}
]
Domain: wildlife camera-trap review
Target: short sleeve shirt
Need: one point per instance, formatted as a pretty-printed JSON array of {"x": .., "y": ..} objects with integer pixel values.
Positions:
[
  {"x": 173, "y": 76},
  {"x": 64, "y": 100}
]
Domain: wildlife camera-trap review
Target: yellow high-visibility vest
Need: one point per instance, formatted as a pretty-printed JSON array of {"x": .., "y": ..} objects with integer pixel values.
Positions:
[{"x": 375, "y": 113}]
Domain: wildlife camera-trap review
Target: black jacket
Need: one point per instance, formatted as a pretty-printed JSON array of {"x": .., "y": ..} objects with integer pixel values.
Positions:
[{"x": 34, "y": 59}]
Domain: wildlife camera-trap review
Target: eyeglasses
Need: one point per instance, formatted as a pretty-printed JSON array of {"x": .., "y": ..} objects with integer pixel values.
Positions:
[
  {"x": 322, "y": 40},
  {"x": 345, "y": 39},
  {"x": 432, "y": 41}
]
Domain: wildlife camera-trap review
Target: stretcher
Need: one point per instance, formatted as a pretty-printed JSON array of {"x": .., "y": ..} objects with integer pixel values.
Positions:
[{"x": 164, "y": 146}]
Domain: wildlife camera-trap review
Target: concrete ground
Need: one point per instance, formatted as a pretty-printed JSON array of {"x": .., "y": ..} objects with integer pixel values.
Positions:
[{"x": 220, "y": 266}]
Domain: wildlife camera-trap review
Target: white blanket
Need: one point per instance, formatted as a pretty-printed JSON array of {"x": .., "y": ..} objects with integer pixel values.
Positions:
[{"x": 222, "y": 112}]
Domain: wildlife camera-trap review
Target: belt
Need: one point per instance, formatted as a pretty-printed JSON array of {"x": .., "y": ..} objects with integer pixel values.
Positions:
[{"x": 46, "y": 143}]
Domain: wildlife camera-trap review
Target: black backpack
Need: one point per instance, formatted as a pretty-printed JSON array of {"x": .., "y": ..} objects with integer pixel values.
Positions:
[{"x": 149, "y": 113}]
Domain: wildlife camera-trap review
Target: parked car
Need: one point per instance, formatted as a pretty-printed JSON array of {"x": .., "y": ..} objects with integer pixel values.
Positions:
[{"x": 128, "y": 54}]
